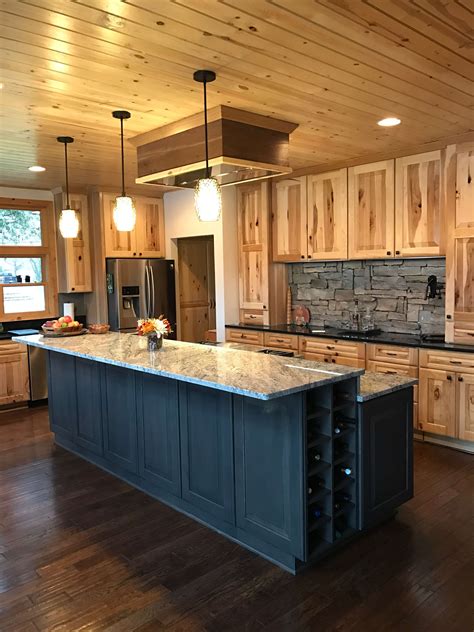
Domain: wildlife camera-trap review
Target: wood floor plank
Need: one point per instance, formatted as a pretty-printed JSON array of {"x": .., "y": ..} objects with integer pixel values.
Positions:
[{"x": 81, "y": 550}]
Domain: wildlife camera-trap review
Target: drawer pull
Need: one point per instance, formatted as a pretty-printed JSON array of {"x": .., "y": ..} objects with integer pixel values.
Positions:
[
  {"x": 252, "y": 316},
  {"x": 391, "y": 372},
  {"x": 455, "y": 362},
  {"x": 329, "y": 346},
  {"x": 279, "y": 340},
  {"x": 391, "y": 353}
]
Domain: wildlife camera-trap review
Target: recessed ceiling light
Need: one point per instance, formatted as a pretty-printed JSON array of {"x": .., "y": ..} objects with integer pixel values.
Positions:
[
  {"x": 391, "y": 121},
  {"x": 36, "y": 168}
]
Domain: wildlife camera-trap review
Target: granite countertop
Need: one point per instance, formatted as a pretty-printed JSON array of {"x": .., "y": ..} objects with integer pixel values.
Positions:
[
  {"x": 236, "y": 371},
  {"x": 401, "y": 340},
  {"x": 374, "y": 385}
]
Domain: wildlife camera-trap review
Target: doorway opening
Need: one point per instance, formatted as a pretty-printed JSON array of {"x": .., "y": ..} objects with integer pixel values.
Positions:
[{"x": 197, "y": 289}]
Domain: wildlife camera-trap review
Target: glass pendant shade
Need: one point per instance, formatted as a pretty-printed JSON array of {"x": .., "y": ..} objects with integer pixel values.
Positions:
[
  {"x": 69, "y": 223},
  {"x": 208, "y": 200},
  {"x": 124, "y": 213}
]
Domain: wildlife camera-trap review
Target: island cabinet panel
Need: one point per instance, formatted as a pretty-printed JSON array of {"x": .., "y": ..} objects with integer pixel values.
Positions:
[
  {"x": 385, "y": 455},
  {"x": 371, "y": 210},
  {"x": 269, "y": 471},
  {"x": 120, "y": 417},
  {"x": 289, "y": 220},
  {"x": 62, "y": 398},
  {"x": 89, "y": 409},
  {"x": 158, "y": 432},
  {"x": 419, "y": 217},
  {"x": 207, "y": 460},
  {"x": 327, "y": 215}
]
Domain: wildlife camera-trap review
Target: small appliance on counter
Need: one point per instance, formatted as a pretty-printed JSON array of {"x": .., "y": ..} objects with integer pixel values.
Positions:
[{"x": 140, "y": 288}]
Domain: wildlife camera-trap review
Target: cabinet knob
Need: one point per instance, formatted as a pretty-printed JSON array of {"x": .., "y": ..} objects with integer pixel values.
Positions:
[
  {"x": 397, "y": 252},
  {"x": 72, "y": 289},
  {"x": 448, "y": 316},
  {"x": 450, "y": 378},
  {"x": 302, "y": 256},
  {"x": 460, "y": 379},
  {"x": 140, "y": 254},
  {"x": 134, "y": 254},
  {"x": 264, "y": 307},
  {"x": 389, "y": 252},
  {"x": 309, "y": 256}
]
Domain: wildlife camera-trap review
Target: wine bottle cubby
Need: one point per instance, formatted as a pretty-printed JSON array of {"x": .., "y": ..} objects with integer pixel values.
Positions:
[{"x": 331, "y": 465}]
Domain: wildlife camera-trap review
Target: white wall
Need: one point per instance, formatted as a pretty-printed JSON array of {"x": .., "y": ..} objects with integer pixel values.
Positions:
[
  {"x": 181, "y": 221},
  {"x": 26, "y": 194}
]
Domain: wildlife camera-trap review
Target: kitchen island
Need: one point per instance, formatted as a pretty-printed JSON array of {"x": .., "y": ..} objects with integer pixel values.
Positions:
[{"x": 264, "y": 449}]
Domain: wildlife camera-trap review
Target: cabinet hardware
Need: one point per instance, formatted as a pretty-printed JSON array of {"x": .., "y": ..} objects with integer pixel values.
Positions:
[
  {"x": 391, "y": 353},
  {"x": 391, "y": 372},
  {"x": 455, "y": 362},
  {"x": 460, "y": 379},
  {"x": 389, "y": 252},
  {"x": 449, "y": 378},
  {"x": 448, "y": 316},
  {"x": 329, "y": 346},
  {"x": 134, "y": 254},
  {"x": 397, "y": 252},
  {"x": 309, "y": 256},
  {"x": 264, "y": 307},
  {"x": 302, "y": 256}
]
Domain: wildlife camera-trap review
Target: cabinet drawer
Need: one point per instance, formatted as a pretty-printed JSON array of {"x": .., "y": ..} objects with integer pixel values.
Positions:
[
  {"x": 330, "y": 359},
  {"x": 390, "y": 353},
  {"x": 253, "y": 316},
  {"x": 245, "y": 335},
  {"x": 332, "y": 347},
  {"x": 281, "y": 341},
  {"x": 8, "y": 347},
  {"x": 450, "y": 360},
  {"x": 395, "y": 369}
]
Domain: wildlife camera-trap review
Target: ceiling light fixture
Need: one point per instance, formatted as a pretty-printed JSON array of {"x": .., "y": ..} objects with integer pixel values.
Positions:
[
  {"x": 207, "y": 194},
  {"x": 68, "y": 221},
  {"x": 124, "y": 213},
  {"x": 36, "y": 168},
  {"x": 391, "y": 121}
]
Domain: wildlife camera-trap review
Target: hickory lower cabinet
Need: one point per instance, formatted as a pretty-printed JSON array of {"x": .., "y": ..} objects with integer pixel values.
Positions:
[{"x": 14, "y": 373}]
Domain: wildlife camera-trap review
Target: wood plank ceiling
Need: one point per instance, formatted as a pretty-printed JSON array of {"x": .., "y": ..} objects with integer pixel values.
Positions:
[{"x": 333, "y": 66}]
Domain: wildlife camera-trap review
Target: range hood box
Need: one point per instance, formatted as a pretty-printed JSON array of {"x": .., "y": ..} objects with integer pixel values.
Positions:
[{"x": 242, "y": 147}]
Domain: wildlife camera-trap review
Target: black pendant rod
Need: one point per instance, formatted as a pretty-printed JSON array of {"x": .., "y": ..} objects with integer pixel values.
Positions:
[
  {"x": 66, "y": 140},
  {"x": 205, "y": 77},
  {"x": 122, "y": 114}
]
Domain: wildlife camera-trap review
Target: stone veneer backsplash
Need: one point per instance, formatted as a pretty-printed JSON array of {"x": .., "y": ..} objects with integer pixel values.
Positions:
[{"x": 393, "y": 290}]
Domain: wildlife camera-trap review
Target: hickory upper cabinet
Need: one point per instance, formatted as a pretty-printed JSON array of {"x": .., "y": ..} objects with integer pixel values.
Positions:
[
  {"x": 419, "y": 229},
  {"x": 310, "y": 217},
  {"x": 289, "y": 215},
  {"x": 371, "y": 210},
  {"x": 74, "y": 255},
  {"x": 327, "y": 215},
  {"x": 148, "y": 237}
]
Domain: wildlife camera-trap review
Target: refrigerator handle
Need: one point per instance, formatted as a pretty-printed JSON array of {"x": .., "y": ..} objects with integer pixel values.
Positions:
[
  {"x": 147, "y": 291},
  {"x": 153, "y": 315}
]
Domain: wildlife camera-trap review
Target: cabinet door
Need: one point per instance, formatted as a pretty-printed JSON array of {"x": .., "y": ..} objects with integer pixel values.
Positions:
[
  {"x": 371, "y": 210},
  {"x": 74, "y": 257},
  {"x": 465, "y": 402},
  {"x": 158, "y": 432},
  {"x": 289, "y": 220},
  {"x": 253, "y": 243},
  {"x": 117, "y": 243},
  {"x": 150, "y": 232},
  {"x": 327, "y": 215},
  {"x": 437, "y": 402},
  {"x": 460, "y": 298},
  {"x": 89, "y": 405},
  {"x": 62, "y": 401},
  {"x": 464, "y": 217},
  {"x": 14, "y": 375},
  {"x": 419, "y": 226},
  {"x": 269, "y": 471},
  {"x": 120, "y": 418},
  {"x": 207, "y": 451}
]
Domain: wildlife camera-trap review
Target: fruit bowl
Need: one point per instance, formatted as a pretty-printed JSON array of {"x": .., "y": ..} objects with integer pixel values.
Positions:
[
  {"x": 64, "y": 326},
  {"x": 99, "y": 328}
]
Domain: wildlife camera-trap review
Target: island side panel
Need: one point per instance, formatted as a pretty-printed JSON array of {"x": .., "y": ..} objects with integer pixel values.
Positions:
[
  {"x": 269, "y": 471},
  {"x": 207, "y": 450}
]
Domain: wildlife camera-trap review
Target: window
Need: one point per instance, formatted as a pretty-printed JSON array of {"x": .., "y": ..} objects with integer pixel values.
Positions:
[{"x": 28, "y": 285}]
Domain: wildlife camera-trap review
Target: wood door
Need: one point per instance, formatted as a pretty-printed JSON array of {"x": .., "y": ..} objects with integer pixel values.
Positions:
[
  {"x": 269, "y": 471},
  {"x": 197, "y": 302},
  {"x": 14, "y": 374},
  {"x": 419, "y": 226},
  {"x": 327, "y": 215},
  {"x": 465, "y": 403},
  {"x": 150, "y": 229},
  {"x": 252, "y": 209},
  {"x": 158, "y": 432},
  {"x": 437, "y": 402},
  {"x": 207, "y": 450},
  {"x": 371, "y": 210},
  {"x": 461, "y": 276},
  {"x": 117, "y": 243},
  {"x": 289, "y": 220}
]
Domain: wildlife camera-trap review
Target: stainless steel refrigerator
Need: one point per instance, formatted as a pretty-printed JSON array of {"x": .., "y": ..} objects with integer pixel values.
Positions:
[{"x": 140, "y": 288}]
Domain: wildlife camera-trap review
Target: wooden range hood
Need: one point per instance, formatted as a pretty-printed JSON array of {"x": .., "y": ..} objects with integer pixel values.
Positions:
[{"x": 242, "y": 147}]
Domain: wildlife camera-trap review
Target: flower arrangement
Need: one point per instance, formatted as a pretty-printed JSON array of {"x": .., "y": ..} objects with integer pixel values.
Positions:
[
  {"x": 159, "y": 326},
  {"x": 155, "y": 329}
]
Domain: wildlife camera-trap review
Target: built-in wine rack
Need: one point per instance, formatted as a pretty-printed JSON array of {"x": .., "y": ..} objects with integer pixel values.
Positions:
[{"x": 331, "y": 449}]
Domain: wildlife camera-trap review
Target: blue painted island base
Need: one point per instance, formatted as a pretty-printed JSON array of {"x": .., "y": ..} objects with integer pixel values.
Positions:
[{"x": 288, "y": 478}]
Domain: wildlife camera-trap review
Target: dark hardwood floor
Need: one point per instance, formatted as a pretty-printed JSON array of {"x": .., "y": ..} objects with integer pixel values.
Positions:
[{"x": 80, "y": 550}]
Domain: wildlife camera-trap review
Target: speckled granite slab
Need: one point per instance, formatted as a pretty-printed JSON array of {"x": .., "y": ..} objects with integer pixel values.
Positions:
[
  {"x": 252, "y": 374},
  {"x": 377, "y": 384}
]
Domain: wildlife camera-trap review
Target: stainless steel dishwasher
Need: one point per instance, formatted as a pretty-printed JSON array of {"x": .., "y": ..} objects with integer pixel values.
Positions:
[{"x": 38, "y": 373}]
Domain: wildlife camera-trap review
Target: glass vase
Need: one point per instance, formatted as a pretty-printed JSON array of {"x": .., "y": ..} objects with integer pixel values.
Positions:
[{"x": 154, "y": 342}]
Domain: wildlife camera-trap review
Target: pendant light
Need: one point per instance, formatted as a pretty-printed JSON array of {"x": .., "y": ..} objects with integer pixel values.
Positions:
[
  {"x": 207, "y": 194},
  {"x": 68, "y": 221},
  {"x": 124, "y": 213}
]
